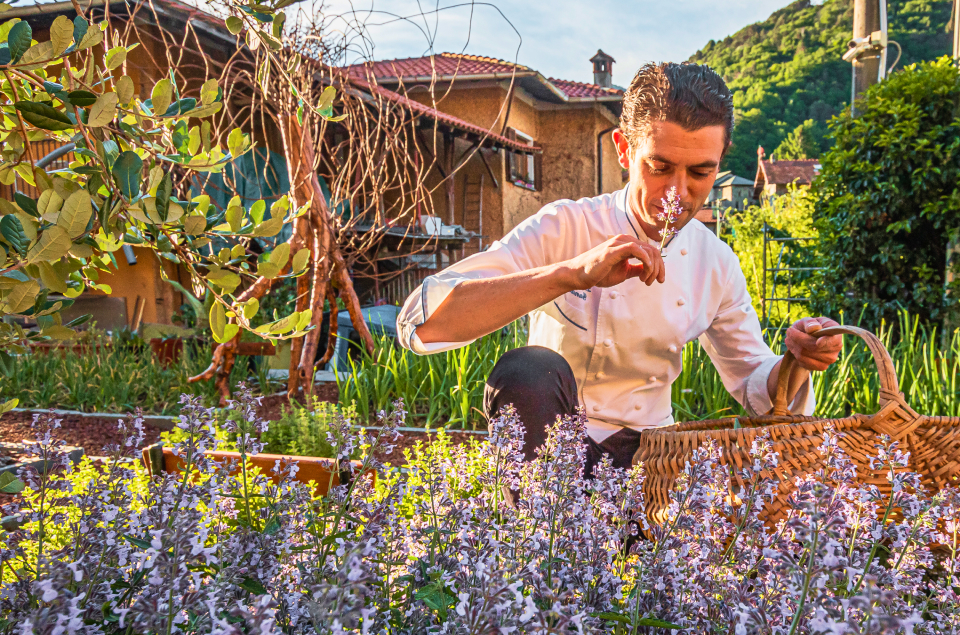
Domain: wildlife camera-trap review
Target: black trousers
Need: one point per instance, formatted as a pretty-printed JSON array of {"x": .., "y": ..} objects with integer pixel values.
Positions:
[{"x": 540, "y": 385}]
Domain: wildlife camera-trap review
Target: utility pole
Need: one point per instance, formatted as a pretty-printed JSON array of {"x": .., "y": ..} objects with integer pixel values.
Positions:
[
  {"x": 956, "y": 29},
  {"x": 866, "y": 49}
]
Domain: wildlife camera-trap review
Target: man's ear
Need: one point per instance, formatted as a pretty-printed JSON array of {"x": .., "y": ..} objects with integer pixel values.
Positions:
[{"x": 623, "y": 148}]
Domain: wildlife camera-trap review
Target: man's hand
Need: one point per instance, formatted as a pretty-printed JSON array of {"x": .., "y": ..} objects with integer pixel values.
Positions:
[
  {"x": 813, "y": 353},
  {"x": 608, "y": 264}
]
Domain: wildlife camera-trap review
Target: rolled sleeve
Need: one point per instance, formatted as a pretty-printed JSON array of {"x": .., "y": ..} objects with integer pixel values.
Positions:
[
  {"x": 420, "y": 306},
  {"x": 533, "y": 243},
  {"x": 757, "y": 398},
  {"x": 734, "y": 342}
]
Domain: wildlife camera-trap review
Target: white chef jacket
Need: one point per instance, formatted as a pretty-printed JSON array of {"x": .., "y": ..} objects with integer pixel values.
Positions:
[{"x": 623, "y": 343}]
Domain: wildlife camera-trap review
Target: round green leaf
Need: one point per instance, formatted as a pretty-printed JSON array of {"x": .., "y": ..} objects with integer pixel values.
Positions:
[
  {"x": 18, "y": 40},
  {"x": 234, "y": 24},
  {"x": 125, "y": 89},
  {"x": 218, "y": 321},
  {"x": 76, "y": 213},
  {"x": 53, "y": 244},
  {"x": 61, "y": 34},
  {"x": 12, "y": 231},
  {"x": 81, "y": 98},
  {"x": 209, "y": 92},
  {"x": 194, "y": 225},
  {"x": 115, "y": 57},
  {"x": 127, "y": 172},
  {"x": 103, "y": 111},
  {"x": 43, "y": 116},
  {"x": 161, "y": 97}
]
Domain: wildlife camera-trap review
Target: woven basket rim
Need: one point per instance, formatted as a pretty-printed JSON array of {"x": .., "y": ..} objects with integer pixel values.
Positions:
[{"x": 782, "y": 422}]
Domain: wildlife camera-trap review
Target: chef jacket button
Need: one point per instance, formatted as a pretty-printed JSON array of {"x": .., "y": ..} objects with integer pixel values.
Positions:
[
  {"x": 672, "y": 348},
  {"x": 613, "y": 295},
  {"x": 608, "y": 342},
  {"x": 683, "y": 252},
  {"x": 637, "y": 406},
  {"x": 653, "y": 380},
  {"x": 601, "y": 375},
  {"x": 681, "y": 302},
  {"x": 596, "y": 408}
]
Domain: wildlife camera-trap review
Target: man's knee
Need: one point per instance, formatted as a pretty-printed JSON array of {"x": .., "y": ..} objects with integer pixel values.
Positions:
[{"x": 532, "y": 378}]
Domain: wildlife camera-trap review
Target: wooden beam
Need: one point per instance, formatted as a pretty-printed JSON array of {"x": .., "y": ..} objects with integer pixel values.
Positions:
[
  {"x": 486, "y": 164},
  {"x": 422, "y": 145},
  {"x": 449, "y": 142}
]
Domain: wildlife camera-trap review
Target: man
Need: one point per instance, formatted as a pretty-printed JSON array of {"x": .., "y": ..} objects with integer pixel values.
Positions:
[{"x": 605, "y": 331}]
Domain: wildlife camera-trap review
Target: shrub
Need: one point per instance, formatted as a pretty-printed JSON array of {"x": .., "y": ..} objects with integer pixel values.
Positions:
[
  {"x": 441, "y": 549},
  {"x": 303, "y": 431},
  {"x": 888, "y": 197}
]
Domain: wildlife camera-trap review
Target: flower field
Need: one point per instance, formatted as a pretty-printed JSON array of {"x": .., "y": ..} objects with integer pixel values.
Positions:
[{"x": 467, "y": 540}]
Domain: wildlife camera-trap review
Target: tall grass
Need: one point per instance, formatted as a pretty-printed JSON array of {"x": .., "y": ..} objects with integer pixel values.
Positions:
[
  {"x": 447, "y": 389},
  {"x": 111, "y": 378},
  {"x": 443, "y": 389}
]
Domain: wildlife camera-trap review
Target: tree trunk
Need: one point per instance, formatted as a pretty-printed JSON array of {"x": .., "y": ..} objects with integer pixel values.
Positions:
[{"x": 325, "y": 255}]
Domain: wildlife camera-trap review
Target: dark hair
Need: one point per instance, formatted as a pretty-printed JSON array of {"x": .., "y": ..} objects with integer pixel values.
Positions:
[{"x": 691, "y": 95}]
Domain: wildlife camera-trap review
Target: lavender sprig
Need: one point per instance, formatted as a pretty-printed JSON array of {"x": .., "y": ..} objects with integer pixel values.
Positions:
[{"x": 672, "y": 209}]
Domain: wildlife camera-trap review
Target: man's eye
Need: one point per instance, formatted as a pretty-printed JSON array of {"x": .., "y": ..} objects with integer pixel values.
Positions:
[
  {"x": 657, "y": 169},
  {"x": 701, "y": 175}
]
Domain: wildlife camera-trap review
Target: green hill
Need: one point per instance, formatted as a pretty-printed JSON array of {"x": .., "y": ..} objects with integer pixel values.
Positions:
[{"x": 788, "y": 70}]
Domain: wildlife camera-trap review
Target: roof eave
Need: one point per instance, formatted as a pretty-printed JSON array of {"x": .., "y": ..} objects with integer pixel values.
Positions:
[{"x": 450, "y": 78}]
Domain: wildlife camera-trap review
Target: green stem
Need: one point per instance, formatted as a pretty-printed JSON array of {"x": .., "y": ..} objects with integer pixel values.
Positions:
[{"x": 811, "y": 559}]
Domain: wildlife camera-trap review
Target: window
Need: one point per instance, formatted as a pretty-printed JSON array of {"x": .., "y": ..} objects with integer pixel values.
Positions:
[{"x": 524, "y": 167}]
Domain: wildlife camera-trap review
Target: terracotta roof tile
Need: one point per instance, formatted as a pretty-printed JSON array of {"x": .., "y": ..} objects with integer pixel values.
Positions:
[
  {"x": 786, "y": 172},
  {"x": 452, "y": 65},
  {"x": 443, "y": 64},
  {"x": 705, "y": 215},
  {"x": 579, "y": 89},
  {"x": 417, "y": 108}
]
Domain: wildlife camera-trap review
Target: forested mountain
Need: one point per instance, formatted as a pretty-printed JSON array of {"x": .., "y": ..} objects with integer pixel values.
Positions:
[{"x": 788, "y": 77}]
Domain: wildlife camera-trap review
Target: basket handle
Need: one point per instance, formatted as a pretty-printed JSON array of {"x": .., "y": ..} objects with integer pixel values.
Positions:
[{"x": 889, "y": 386}]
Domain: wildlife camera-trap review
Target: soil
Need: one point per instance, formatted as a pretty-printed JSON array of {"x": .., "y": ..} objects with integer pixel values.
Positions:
[{"x": 94, "y": 435}]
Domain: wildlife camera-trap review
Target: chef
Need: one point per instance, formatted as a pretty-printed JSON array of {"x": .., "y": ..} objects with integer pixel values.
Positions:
[{"x": 612, "y": 297}]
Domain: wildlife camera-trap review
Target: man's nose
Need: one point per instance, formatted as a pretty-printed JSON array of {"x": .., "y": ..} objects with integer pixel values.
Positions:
[{"x": 679, "y": 181}]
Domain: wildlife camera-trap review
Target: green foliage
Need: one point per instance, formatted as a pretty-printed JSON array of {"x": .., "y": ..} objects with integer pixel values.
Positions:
[
  {"x": 788, "y": 69},
  {"x": 888, "y": 197},
  {"x": 786, "y": 216},
  {"x": 805, "y": 142},
  {"x": 107, "y": 376},
  {"x": 303, "y": 431},
  {"x": 446, "y": 388},
  {"x": 120, "y": 188}
]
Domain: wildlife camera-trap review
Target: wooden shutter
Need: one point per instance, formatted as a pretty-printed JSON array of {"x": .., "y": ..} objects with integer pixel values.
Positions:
[{"x": 538, "y": 171}]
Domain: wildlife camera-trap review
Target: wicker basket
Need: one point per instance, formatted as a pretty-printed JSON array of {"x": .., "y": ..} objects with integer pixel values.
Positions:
[{"x": 933, "y": 442}]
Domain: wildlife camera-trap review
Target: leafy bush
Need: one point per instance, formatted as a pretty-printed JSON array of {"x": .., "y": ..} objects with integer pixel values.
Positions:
[
  {"x": 888, "y": 198},
  {"x": 439, "y": 548},
  {"x": 305, "y": 431}
]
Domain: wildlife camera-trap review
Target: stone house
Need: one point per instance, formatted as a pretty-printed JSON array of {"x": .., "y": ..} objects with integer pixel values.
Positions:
[{"x": 563, "y": 127}]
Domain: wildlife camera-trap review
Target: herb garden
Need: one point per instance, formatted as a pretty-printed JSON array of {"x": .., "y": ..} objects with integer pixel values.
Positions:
[{"x": 386, "y": 502}]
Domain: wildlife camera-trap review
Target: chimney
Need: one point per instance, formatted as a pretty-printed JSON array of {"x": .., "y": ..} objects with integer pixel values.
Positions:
[{"x": 602, "y": 69}]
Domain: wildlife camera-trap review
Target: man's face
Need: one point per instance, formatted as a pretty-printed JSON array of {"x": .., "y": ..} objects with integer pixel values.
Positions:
[{"x": 670, "y": 156}]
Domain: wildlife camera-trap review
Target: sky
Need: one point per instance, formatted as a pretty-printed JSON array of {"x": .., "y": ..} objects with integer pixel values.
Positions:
[{"x": 555, "y": 37}]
